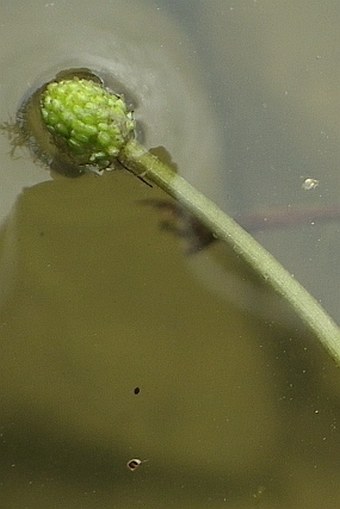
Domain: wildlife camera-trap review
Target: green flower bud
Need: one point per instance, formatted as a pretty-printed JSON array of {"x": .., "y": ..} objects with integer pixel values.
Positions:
[{"x": 87, "y": 120}]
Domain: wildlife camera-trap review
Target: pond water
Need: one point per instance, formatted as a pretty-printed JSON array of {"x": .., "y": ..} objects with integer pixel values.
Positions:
[{"x": 116, "y": 342}]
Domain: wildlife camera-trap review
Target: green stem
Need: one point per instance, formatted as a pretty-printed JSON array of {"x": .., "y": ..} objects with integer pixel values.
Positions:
[{"x": 135, "y": 157}]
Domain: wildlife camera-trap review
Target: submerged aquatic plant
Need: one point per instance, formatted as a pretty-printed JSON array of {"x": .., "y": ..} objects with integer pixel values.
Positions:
[{"x": 93, "y": 127}]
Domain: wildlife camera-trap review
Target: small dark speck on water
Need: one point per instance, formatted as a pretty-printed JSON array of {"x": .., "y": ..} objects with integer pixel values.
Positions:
[{"x": 136, "y": 390}]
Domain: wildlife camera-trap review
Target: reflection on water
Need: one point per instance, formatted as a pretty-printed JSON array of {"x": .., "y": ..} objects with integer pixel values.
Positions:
[
  {"x": 236, "y": 407},
  {"x": 275, "y": 90},
  {"x": 92, "y": 315},
  {"x": 157, "y": 67}
]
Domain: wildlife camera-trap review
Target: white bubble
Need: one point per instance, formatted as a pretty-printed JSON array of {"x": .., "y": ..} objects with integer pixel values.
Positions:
[{"x": 310, "y": 184}]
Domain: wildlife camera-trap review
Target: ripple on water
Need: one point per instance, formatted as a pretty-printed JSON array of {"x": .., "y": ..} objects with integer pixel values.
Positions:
[{"x": 153, "y": 63}]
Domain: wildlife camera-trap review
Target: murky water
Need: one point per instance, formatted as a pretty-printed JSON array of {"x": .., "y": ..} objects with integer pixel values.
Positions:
[{"x": 236, "y": 407}]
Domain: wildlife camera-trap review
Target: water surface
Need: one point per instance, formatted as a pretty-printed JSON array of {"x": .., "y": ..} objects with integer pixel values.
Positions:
[{"x": 238, "y": 407}]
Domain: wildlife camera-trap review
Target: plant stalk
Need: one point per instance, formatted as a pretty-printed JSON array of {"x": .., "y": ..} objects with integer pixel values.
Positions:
[{"x": 144, "y": 164}]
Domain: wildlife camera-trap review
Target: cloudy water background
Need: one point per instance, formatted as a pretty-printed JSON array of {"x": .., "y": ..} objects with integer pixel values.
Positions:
[{"x": 237, "y": 406}]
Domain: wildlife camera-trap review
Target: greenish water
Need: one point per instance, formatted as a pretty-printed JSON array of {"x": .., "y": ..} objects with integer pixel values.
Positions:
[{"x": 237, "y": 408}]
